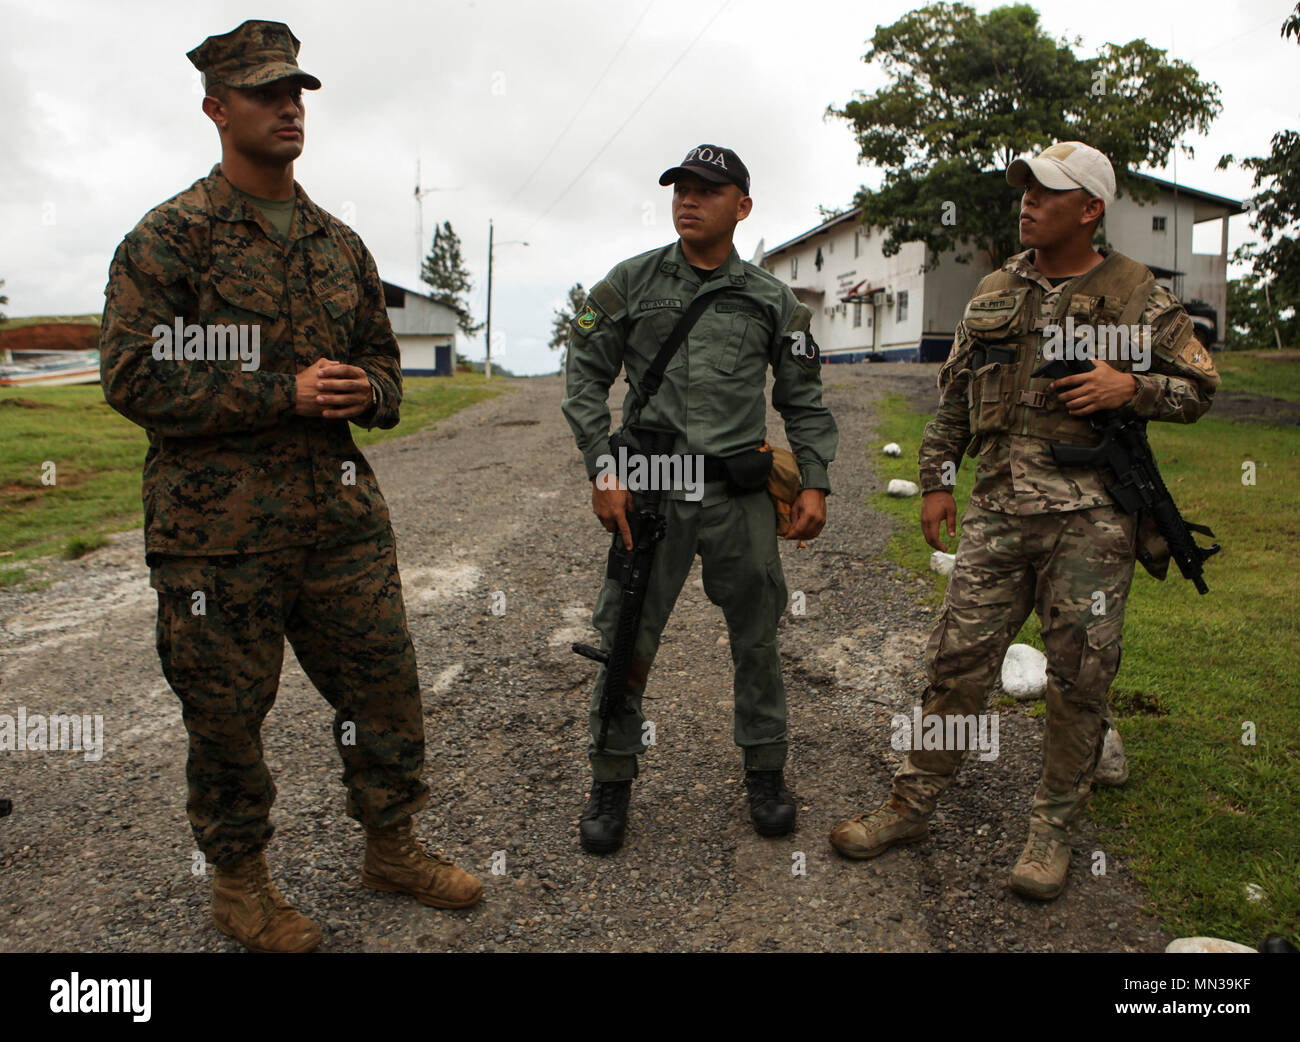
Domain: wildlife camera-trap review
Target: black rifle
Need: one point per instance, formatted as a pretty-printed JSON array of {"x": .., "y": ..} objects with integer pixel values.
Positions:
[
  {"x": 1138, "y": 486},
  {"x": 631, "y": 568}
]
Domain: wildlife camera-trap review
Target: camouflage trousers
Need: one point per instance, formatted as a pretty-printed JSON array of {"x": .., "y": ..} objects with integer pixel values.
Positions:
[
  {"x": 1074, "y": 568},
  {"x": 735, "y": 537},
  {"x": 222, "y": 623}
]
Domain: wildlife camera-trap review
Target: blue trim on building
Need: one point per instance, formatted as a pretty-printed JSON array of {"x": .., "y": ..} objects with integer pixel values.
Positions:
[
  {"x": 888, "y": 354},
  {"x": 931, "y": 349}
]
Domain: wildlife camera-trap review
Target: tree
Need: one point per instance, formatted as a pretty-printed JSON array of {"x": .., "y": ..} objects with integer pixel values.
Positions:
[
  {"x": 1275, "y": 215},
  {"x": 970, "y": 92},
  {"x": 566, "y": 314},
  {"x": 1251, "y": 321},
  {"x": 3, "y": 300},
  {"x": 444, "y": 270}
]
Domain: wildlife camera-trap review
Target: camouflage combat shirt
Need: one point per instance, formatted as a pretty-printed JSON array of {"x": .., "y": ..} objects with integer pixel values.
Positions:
[
  {"x": 231, "y": 468},
  {"x": 712, "y": 393},
  {"x": 1016, "y": 474}
]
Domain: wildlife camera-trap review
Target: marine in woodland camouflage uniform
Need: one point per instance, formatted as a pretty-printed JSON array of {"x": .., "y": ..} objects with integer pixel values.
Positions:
[
  {"x": 1035, "y": 536},
  {"x": 262, "y": 522}
]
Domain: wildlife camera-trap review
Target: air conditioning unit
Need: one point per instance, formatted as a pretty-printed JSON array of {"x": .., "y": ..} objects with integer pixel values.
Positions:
[{"x": 889, "y": 300}]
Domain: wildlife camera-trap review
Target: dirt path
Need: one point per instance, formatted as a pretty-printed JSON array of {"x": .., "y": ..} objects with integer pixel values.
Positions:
[{"x": 98, "y": 856}]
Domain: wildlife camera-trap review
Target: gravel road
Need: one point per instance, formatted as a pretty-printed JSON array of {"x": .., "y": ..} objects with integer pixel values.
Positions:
[{"x": 98, "y": 856}]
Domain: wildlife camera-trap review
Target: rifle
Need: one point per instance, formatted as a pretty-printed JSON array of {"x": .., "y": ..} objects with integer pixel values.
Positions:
[
  {"x": 1138, "y": 486},
  {"x": 631, "y": 570}
]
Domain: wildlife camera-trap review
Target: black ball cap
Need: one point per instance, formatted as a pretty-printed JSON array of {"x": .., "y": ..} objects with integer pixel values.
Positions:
[{"x": 713, "y": 163}]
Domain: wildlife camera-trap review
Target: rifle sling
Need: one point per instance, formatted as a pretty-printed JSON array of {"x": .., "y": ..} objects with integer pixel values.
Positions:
[{"x": 654, "y": 376}]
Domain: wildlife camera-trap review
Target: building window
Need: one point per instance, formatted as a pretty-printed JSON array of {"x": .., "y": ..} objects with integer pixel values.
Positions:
[
  {"x": 857, "y": 313},
  {"x": 857, "y": 242},
  {"x": 794, "y": 267},
  {"x": 902, "y": 305},
  {"x": 818, "y": 262},
  {"x": 1157, "y": 224}
]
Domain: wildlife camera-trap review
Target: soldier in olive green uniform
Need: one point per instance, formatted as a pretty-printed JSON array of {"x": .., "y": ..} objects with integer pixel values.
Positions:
[
  {"x": 712, "y": 401},
  {"x": 1036, "y": 536},
  {"x": 243, "y": 328}
]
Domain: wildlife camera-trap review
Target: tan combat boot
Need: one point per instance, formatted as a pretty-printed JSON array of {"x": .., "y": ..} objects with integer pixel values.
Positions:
[
  {"x": 397, "y": 863},
  {"x": 247, "y": 906},
  {"x": 874, "y": 833},
  {"x": 1045, "y": 862}
]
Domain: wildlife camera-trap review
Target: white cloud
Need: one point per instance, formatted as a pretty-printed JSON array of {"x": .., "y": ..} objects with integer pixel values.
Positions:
[{"x": 102, "y": 121}]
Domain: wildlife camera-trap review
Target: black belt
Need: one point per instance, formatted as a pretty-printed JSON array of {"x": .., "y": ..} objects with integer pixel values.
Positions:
[{"x": 982, "y": 356}]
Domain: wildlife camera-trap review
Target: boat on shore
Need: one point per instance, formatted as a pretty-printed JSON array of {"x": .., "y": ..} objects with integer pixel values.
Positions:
[{"x": 48, "y": 369}]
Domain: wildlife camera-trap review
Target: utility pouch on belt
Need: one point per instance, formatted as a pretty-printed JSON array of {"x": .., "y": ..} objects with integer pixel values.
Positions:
[{"x": 747, "y": 471}]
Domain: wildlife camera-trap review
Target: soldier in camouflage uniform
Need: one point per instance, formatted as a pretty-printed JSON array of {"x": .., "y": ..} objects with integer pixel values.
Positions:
[
  {"x": 1036, "y": 536},
  {"x": 712, "y": 401},
  {"x": 243, "y": 328}
]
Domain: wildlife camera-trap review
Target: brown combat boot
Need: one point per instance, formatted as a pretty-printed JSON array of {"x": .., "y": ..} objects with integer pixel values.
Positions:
[
  {"x": 397, "y": 863},
  {"x": 874, "y": 833},
  {"x": 1045, "y": 862},
  {"x": 247, "y": 906}
]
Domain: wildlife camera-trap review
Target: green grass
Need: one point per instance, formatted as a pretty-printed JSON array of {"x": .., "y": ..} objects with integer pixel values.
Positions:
[
  {"x": 37, "y": 320},
  {"x": 1273, "y": 373},
  {"x": 98, "y": 455},
  {"x": 1202, "y": 814}
]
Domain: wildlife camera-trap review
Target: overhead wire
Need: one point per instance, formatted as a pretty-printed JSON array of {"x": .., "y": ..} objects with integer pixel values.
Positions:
[
  {"x": 585, "y": 102},
  {"x": 632, "y": 115}
]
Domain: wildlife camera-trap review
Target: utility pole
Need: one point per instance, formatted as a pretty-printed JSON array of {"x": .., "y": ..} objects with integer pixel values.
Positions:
[{"x": 487, "y": 365}]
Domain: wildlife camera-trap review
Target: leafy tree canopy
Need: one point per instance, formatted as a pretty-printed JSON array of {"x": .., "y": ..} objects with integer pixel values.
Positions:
[{"x": 969, "y": 92}]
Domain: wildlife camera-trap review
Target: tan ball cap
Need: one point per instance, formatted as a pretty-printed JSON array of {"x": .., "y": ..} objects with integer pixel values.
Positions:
[
  {"x": 250, "y": 56},
  {"x": 1067, "y": 164}
]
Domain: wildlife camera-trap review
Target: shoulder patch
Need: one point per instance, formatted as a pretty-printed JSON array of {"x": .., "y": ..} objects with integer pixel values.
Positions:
[
  {"x": 800, "y": 319},
  {"x": 1196, "y": 357},
  {"x": 606, "y": 297}
]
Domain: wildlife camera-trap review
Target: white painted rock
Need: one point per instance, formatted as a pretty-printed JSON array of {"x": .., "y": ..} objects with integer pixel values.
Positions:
[
  {"x": 892, "y": 449},
  {"x": 1024, "y": 672},
  {"x": 941, "y": 562},
  {"x": 1113, "y": 768},
  {"x": 1254, "y": 892},
  {"x": 1209, "y": 945},
  {"x": 901, "y": 488}
]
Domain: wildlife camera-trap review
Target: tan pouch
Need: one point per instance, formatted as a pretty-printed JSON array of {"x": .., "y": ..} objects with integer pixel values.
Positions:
[{"x": 783, "y": 485}]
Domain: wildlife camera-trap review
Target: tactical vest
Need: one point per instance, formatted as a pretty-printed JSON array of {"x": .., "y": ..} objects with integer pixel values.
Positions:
[{"x": 1004, "y": 322}]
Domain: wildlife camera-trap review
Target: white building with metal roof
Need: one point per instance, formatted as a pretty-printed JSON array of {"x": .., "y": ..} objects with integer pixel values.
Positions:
[{"x": 867, "y": 306}]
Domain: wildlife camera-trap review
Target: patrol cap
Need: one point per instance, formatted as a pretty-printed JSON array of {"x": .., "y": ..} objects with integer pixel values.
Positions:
[
  {"x": 713, "y": 163},
  {"x": 1068, "y": 164},
  {"x": 250, "y": 56}
]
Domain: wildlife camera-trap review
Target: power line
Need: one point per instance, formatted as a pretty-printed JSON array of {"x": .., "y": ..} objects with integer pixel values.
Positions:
[
  {"x": 632, "y": 115},
  {"x": 578, "y": 111}
]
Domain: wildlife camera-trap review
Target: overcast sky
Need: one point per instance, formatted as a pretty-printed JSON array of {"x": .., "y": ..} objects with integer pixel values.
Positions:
[{"x": 554, "y": 119}]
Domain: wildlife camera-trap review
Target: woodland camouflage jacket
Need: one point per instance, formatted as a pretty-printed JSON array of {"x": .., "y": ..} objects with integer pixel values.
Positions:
[{"x": 230, "y": 467}]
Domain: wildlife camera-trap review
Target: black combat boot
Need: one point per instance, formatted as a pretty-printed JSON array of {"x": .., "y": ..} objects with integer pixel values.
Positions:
[
  {"x": 605, "y": 818},
  {"x": 771, "y": 807}
]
